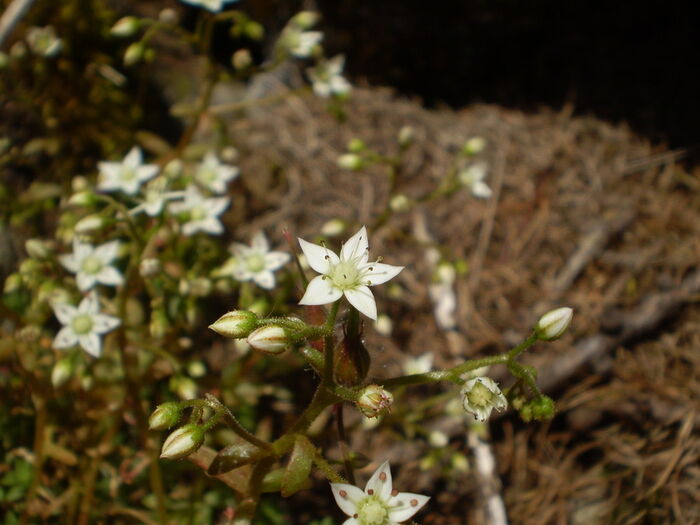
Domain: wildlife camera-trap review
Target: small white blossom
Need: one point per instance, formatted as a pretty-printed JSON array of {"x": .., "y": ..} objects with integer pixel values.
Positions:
[
  {"x": 327, "y": 78},
  {"x": 155, "y": 196},
  {"x": 256, "y": 262},
  {"x": 127, "y": 175},
  {"x": 378, "y": 504},
  {"x": 418, "y": 365},
  {"x": 213, "y": 175},
  {"x": 43, "y": 41},
  {"x": 349, "y": 275},
  {"x": 93, "y": 264},
  {"x": 203, "y": 213},
  {"x": 300, "y": 43},
  {"x": 473, "y": 177},
  {"x": 444, "y": 297},
  {"x": 212, "y": 5},
  {"x": 480, "y": 396},
  {"x": 83, "y": 325}
]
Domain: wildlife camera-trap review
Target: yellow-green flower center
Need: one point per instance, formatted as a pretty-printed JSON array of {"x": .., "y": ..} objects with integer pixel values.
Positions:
[
  {"x": 128, "y": 174},
  {"x": 81, "y": 324},
  {"x": 255, "y": 263},
  {"x": 198, "y": 214},
  {"x": 91, "y": 265},
  {"x": 480, "y": 396},
  {"x": 345, "y": 275},
  {"x": 372, "y": 511}
]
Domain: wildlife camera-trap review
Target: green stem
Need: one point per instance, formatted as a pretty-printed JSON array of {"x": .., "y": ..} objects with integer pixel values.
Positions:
[
  {"x": 328, "y": 346},
  {"x": 527, "y": 343}
]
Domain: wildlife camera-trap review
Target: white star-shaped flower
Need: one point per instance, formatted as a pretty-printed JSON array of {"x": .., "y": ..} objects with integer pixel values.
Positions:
[
  {"x": 212, "y": 5},
  {"x": 473, "y": 177},
  {"x": 300, "y": 43},
  {"x": 127, "y": 175},
  {"x": 350, "y": 274},
  {"x": 213, "y": 175},
  {"x": 256, "y": 262},
  {"x": 327, "y": 78},
  {"x": 203, "y": 214},
  {"x": 155, "y": 196},
  {"x": 83, "y": 325},
  {"x": 480, "y": 396},
  {"x": 93, "y": 264},
  {"x": 378, "y": 504}
]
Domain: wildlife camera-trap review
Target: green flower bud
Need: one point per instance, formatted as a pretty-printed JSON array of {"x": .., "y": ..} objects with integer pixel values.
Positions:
[
  {"x": 356, "y": 146},
  {"x": 374, "y": 401},
  {"x": 553, "y": 324},
  {"x": 62, "y": 371},
  {"x": 235, "y": 324},
  {"x": 89, "y": 224},
  {"x": 165, "y": 416},
  {"x": 183, "y": 442},
  {"x": 38, "y": 249},
  {"x": 474, "y": 146},
  {"x": 406, "y": 136},
  {"x": 82, "y": 198},
  {"x": 134, "y": 54},
  {"x": 306, "y": 19},
  {"x": 351, "y": 161},
  {"x": 126, "y": 26},
  {"x": 270, "y": 339}
]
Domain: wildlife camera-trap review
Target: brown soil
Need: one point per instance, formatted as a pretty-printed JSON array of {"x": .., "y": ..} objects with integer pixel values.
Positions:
[{"x": 585, "y": 214}]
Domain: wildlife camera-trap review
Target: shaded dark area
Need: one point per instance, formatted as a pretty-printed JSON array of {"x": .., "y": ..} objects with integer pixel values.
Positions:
[{"x": 618, "y": 60}]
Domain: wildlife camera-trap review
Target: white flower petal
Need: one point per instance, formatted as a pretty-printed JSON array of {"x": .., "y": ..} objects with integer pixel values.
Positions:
[
  {"x": 64, "y": 312},
  {"x": 108, "y": 251},
  {"x": 320, "y": 291},
  {"x": 381, "y": 273},
  {"x": 102, "y": 323},
  {"x": 265, "y": 279},
  {"x": 259, "y": 242},
  {"x": 110, "y": 276},
  {"x": 134, "y": 158},
  {"x": 318, "y": 257},
  {"x": 65, "y": 338},
  {"x": 91, "y": 344},
  {"x": 146, "y": 172},
  {"x": 363, "y": 300},
  {"x": 481, "y": 190},
  {"x": 69, "y": 262},
  {"x": 275, "y": 260},
  {"x": 352, "y": 494},
  {"x": 357, "y": 245},
  {"x": 90, "y": 304},
  {"x": 403, "y": 506},
  {"x": 380, "y": 482},
  {"x": 210, "y": 225},
  {"x": 85, "y": 281},
  {"x": 351, "y": 521}
]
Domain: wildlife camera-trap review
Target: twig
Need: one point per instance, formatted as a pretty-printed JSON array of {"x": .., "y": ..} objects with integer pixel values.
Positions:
[
  {"x": 627, "y": 326},
  {"x": 489, "y": 482},
  {"x": 589, "y": 248},
  {"x": 12, "y": 15}
]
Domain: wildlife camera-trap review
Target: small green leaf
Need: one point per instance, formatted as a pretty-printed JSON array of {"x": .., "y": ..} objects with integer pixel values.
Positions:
[
  {"x": 298, "y": 469},
  {"x": 233, "y": 457}
]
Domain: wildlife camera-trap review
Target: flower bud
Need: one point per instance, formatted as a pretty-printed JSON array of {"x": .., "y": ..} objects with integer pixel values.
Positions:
[
  {"x": 168, "y": 16},
  {"x": 305, "y": 19},
  {"x": 254, "y": 30},
  {"x": 438, "y": 439},
  {"x": 356, "y": 146},
  {"x": 241, "y": 59},
  {"x": 406, "y": 136},
  {"x": 62, "y": 371},
  {"x": 374, "y": 401},
  {"x": 183, "y": 442},
  {"x": 149, "y": 267},
  {"x": 400, "y": 203},
  {"x": 480, "y": 396},
  {"x": 165, "y": 416},
  {"x": 89, "y": 224},
  {"x": 126, "y": 26},
  {"x": 235, "y": 324},
  {"x": 38, "y": 249},
  {"x": 270, "y": 339},
  {"x": 184, "y": 387},
  {"x": 134, "y": 53},
  {"x": 82, "y": 198},
  {"x": 333, "y": 227},
  {"x": 474, "y": 146},
  {"x": 350, "y": 161},
  {"x": 553, "y": 324}
]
